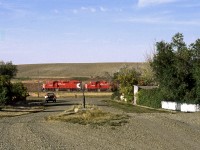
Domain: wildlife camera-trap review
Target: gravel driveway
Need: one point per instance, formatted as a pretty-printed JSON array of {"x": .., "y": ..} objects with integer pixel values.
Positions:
[{"x": 144, "y": 131}]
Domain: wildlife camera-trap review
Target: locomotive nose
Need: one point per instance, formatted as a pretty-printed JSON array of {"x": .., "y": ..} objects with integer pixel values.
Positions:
[{"x": 78, "y": 85}]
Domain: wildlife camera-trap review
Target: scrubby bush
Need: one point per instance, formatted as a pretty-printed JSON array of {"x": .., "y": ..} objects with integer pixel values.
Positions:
[{"x": 125, "y": 78}]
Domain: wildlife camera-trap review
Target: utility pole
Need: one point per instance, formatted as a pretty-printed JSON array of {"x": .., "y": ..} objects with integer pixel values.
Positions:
[
  {"x": 38, "y": 85},
  {"x": 83, "y": 90}
]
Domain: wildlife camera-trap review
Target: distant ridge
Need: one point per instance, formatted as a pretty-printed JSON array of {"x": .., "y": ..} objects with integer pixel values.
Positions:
[{"x": 69, "y": 70}]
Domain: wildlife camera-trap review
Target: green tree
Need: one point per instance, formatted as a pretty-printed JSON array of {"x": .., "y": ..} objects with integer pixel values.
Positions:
[
  {"x": 163, "y": 65},
  {"x": 185, "y": 80},
  {"x": 10, "y": 93},
  {"x": 126, "y": 78},
  {"x": 8, "y": 69},
  {"x": 173, "y": 67},
  {"x": 5, "y": 90},
  {"x": 195, "y": 49}
]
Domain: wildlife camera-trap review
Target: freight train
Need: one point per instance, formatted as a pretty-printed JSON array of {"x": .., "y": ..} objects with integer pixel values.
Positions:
[{"x": 75, "y": 85}]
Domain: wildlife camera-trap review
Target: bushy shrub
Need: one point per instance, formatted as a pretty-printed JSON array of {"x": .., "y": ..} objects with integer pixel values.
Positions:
[
  {"x": 3, "y": 96},
  {"x": 116, "y": 95},
  {"x": 8, "y": 69},
  {"x": 10, "y": 93},
  {"x": 19, "y": 92},
  {"x": 125, "y": 78},
  {"x": 5, "y": 89},
  {"x": 150, "y": 97}
]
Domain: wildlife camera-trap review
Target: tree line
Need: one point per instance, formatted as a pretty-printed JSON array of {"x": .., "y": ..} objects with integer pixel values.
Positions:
[{"x": 174, "y": 67}]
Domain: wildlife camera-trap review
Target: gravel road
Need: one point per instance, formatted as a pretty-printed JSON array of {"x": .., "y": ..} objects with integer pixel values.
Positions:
[{"x": 143, "y": 132}]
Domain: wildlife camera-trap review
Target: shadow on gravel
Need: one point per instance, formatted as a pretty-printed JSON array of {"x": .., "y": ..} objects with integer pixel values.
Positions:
[
  {"x": 102, "y": 105},
  {"x": 50, "y": 104},
  {"x": 47, "y": 111}
]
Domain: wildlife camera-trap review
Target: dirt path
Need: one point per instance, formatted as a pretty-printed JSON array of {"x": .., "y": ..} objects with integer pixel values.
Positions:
[{"x": 144, "y": 131}]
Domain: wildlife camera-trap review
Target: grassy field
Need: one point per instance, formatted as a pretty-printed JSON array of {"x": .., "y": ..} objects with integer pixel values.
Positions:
[
  {"x": 129, "y": 108},
  {"x": 70, "y": 70},
  {"x": 61, "y": 94}
]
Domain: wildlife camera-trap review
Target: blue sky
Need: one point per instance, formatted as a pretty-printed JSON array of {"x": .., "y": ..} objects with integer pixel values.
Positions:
[{"x": 84, "y": 31}]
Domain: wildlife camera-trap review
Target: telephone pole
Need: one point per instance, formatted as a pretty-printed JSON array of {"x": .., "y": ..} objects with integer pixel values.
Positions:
[
  {"x": 83, "y": 90},
  {"x": 38, "y": 85}
]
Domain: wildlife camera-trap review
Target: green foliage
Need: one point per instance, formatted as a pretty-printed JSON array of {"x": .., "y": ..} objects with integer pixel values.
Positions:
[
  {"x": 163, "y": 66},
  {"x": 10, "y": 93},
  {"x": 150, "y": 97},
  {"x": 177, "y": 68},
  {"x": 3, "y": 96},
  {"x": 8, "y": 69},
  {"x": 5, "y": 90},
  {"x": 116, "y": 95},
  {"x": 130, "y": 108},
  {"x": 147, "y": 75},
  {"x": 195, "y": 49},
  {"x": 19, "y": 92},
  {"x": 126, "y": 78}
]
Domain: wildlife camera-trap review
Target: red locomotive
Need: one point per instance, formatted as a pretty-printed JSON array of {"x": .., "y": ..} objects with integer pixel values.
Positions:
[
  {"x": 75, "y": 85},
  {"x": 97, "y": 86},
  {"x": 72, "y": 85}
]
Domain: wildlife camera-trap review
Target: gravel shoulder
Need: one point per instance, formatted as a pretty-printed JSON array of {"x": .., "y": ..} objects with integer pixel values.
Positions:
[{"x": 143, "y": 131}]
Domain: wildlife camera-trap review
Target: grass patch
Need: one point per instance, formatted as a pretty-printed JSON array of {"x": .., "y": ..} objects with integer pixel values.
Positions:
[
  {"x": 12, "y": 114},
  {"x": 65, "y": 94},
  {"x": 11, "y": 111},
  {"x": 90, "y": 115},
  {"x": 129, "y": 108},
  {"x": 20, "y": 109}
]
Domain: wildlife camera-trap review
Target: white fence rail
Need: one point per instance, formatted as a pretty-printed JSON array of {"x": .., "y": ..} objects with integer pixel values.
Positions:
[
  {"x": 189, "y": 107},
  {"x": 170, "y": 105},
  {"x": 184, "y": 107}
]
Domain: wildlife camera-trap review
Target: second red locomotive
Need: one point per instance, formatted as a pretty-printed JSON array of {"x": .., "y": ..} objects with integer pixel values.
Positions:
[{"x": 97, "y": 86}]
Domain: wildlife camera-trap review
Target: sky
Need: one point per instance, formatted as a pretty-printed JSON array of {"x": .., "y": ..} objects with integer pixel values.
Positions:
[{"x": 88, "y": 31}]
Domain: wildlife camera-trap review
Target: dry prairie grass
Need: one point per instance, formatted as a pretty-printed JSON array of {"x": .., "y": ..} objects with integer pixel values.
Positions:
[
  {"x": 61, "y": 94},
  {"x": 70, "y": 70}
]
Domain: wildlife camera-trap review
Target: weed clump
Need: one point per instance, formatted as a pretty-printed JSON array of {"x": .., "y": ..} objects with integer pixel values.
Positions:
[{"x": 90, "y": 115}]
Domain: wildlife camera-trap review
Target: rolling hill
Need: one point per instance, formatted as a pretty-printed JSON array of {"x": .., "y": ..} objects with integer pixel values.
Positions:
[{"x": 71, "y": 70}]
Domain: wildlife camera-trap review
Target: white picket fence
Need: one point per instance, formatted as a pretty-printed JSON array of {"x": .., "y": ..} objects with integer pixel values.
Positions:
[{"x": 184, "y": 107}]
